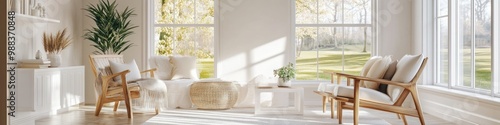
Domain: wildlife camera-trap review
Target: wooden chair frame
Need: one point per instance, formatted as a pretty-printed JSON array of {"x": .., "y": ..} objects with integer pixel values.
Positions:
[
  {"x": 127, "y": 93},
  {"x": 356, "y": 102}
]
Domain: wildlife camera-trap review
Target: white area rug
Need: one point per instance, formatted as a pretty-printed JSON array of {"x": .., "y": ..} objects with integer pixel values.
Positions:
[{"x": 245, "y": 116}]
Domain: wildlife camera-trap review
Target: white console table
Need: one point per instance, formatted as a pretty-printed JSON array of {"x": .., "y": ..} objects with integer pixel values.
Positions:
[
  {"x": 47, "y": 91},
  {"x": 298, "y": 107}
]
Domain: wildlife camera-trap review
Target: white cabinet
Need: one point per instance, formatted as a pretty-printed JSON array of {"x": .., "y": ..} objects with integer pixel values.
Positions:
[{"x": 50, "y": 89}]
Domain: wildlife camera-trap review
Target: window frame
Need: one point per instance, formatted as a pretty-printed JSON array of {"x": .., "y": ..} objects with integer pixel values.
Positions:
[
  {"x": 453, "y": 49},
  {"x": 151, "y": 25},
  {"x": 372, "y": 25}
]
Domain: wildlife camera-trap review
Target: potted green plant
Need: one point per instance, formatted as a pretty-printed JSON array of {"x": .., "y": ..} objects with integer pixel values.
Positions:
[
  {"x": 285, "y": 74},
  {"x": 112, "y": 28}
]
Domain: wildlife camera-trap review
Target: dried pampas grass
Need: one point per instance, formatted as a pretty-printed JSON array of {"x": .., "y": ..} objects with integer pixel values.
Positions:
[{"x": 55, "y": 44}]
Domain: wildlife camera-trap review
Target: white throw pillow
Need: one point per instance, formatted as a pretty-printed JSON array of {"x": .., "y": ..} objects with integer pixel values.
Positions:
[
  {"x": 184, "y": 67},
  {"x": 406, "y": 69},
  {"x": 369, "y": 64},
  {"x": 377, "y": 71},
  {"x": 134, "y": 73},
  {"x": 163, "y": 67},
  {"x": 366, "y": 68}
]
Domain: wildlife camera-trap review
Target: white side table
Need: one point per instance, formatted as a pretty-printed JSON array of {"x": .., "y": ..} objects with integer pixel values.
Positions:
[{"x": 298, "y": 107}]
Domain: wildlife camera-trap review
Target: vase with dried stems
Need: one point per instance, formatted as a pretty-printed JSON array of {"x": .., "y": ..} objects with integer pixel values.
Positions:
[{"x": 53, "y": 45}]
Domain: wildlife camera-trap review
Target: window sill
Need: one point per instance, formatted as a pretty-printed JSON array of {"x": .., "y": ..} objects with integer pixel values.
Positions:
[{"x": 461, "y": 94}]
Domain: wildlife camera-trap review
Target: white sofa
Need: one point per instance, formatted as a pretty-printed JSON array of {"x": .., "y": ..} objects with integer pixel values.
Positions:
[{"x": 178, "y": 89}]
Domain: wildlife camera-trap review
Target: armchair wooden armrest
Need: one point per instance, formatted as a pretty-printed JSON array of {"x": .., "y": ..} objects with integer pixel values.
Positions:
[
  {"x": 107, "y": 78},
  {"x": 151, "y": 72}
]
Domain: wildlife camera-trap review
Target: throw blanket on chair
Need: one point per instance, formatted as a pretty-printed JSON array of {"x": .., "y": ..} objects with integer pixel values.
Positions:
[{"x": 153, "y": 94}]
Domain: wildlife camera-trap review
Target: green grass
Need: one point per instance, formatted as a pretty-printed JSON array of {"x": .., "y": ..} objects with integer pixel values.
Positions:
[{"x": 206, "y": 67}]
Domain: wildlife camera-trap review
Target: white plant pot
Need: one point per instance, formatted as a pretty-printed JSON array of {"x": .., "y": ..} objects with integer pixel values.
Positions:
[
  {"x": 55, "y": 60},
  {"x": 282, "y": 83}
]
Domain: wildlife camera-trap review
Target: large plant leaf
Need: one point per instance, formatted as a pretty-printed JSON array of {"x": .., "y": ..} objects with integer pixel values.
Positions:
[{"x": 111, "y": 27}]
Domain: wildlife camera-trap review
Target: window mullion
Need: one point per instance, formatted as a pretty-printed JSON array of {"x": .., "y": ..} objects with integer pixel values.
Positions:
[
  {"x": 495, "y": 47},
  {"x": 473, "y": 47},
  {"x": 317, "y": 40},
  {"x": 452, "y": 46},
  {"x": 174, "y": 41}
]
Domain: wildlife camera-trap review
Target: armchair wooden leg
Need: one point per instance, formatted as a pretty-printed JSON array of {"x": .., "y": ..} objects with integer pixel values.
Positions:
[
  {"x": 332, "y": 108},
  {"x": 157, "y": 107},
  {"x": 404, "y": 119},
  {"x": 339, "y": 111},
  {"x": 399, "y": 117},
  {"x": 356, "y": 102},
  {"x": 414, "y": 95},
  {"x": 98, "y": 106},
  {"x": 117, "y": 103},
  {"x": 128, "y": 104},
  {"x": 324, "y": 104}
]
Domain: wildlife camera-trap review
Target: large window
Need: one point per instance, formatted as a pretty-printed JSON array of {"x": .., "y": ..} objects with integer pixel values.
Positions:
[
  {"x": 332, "y": 35},
  {"x": 464, "y": 44},
  {"x": 185, "y": 27}
]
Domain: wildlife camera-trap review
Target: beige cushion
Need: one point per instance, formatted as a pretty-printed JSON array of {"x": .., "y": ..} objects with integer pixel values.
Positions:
[
  {"x": 134, "y": 73},
  {"x": 367, "y": 66},
  {"x": 406, "y": 69},
  {"x": 389, "y": 73},
  {"x": 377, "y": 71},
  {"x": 163, "y": 67},
  {"x": 364, "y": 94},
  {"x": 388, "y": 76},
  {"x": 184, "y": 67}
]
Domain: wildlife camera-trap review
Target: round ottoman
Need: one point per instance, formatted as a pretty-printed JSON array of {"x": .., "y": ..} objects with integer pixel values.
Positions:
[{"x": 213, "y": 94}]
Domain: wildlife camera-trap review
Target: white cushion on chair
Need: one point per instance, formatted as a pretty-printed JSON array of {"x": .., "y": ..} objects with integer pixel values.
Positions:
[
  {"x": 369, "y": 64},
  {"x": 406, "y": 69},
  {"x": 364, "y": 94},
  {"x": 163, "y": 67},
  {"x": 134, "y": 73},
  {"x": 377, "y": 71}
]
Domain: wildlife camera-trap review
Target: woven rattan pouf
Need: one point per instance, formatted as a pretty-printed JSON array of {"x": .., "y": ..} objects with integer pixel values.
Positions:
[{"x": 213, "y": 94}]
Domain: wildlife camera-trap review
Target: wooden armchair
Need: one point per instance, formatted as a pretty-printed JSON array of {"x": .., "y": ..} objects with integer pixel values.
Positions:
[
  {"x": 353, "y": 101},
  {"x": 124, "y": 92}
]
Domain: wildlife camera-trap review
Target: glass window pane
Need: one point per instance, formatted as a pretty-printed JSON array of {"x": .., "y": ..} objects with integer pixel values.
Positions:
[
  {"x": 330, "y": 11},
  {"x": 306, "y": 55},
  {"x": 164, "y": 40},
  {"x": 357, "y": 48},
  {"x": 482, "y": 44},
  {"x": 164, "y": 11},
  {"x": 357, "y": 11},
  {"x": 184, "y": 41},
  {"x": 442, "y": 38},
  {"x": 184, "y": 11},
  {"x": 465, "y": 43},
  {"x": 205, "y": 11},
  {"x": 442, "y": 7},
  {"x": 205, "y": 51},
  {"x": 306, "y": 11},
  {"x": 330, "y": 45}
]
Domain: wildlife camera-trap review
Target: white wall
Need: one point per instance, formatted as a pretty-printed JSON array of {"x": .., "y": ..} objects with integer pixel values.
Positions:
[
  {"x": 395, "y": 27},
  {"x": 30, "y": 32},
  {"x": 135, "y": 52},
  {"x": 254, "y": 35}
]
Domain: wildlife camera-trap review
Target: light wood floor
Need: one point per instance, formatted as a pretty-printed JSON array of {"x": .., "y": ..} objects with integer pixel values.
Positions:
[{"x": 84, "y": 115}]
